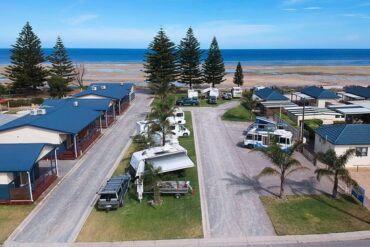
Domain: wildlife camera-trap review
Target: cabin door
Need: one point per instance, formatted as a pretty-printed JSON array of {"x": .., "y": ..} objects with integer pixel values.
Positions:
[{"x": 265, "y": 140}]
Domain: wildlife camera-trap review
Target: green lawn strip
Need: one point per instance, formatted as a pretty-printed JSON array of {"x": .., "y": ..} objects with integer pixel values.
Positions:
[
  {"x": 175, "y": 219},
  {"x": 287, "y": 119},
  {"x": 10, "y": 217},
  {"x": 239, "y": 113},
  {"x": 316, "y": 214},
  {"x": 202, "y": 102}
]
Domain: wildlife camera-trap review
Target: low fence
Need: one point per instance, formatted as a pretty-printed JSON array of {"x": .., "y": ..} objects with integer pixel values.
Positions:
[{"x": 296, "y": 132}]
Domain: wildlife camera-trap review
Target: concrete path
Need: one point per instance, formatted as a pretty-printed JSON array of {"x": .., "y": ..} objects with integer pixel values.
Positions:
[
  {"x": 61, "y": 215},
  {"x": 231, "y": 191}
]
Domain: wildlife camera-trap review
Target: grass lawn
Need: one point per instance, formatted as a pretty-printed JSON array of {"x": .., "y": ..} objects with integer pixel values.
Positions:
[
  {"x": 288, "y": 120},
  {"x": 202, "y": 102},
  {"x": 316, "y": 214},
  {"x": 10, "y": 217},
  {"x": 175, "y": 219},
  {"x": 239, "y": 113}
]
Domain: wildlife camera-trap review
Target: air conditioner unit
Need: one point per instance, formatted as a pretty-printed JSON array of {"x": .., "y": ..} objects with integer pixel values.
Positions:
[
  {"x": 33, "y": 112},
  {"x": 94, "y": 88},
  {"x": 103, "y": 87},
  {"x": 41, "y": 111}
]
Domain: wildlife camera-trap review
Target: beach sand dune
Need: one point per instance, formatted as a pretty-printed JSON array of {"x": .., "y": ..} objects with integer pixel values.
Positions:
[{"x": 290, "y": 76}]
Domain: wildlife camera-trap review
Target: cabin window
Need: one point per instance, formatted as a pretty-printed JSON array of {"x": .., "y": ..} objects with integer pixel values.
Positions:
[
  {"x": 361, "y": 151},
  {"x": 179, "y": 115},
  {"x": 282, "y": 140},
  {"x": 249, "y": 137},
  {"x": 259, "y": 138}
]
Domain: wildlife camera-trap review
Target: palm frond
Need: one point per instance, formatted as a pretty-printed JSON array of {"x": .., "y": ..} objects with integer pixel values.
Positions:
[
  {"x": 346, "y": 177},
  {"x": 323, "y": 173},
  {"x": 343, "y": 159},
  {"x": 268, "y": 171},
  {"x": 299, "y": 168},
  {"x": 328, "y": 158}
]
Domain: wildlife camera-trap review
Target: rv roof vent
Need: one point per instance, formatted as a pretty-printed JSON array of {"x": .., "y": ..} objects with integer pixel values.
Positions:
[
  {"x": 75, "y": 103},
  {"x": 103, "y": 87},
  {"x": 122, "y": 83},
  {"x": 41, "y": 111},
  {"x": 94, "y": 88},
  {"x": 33, "y": 112}
]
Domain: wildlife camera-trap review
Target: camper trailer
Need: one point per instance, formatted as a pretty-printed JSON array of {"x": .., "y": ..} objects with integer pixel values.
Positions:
[
  {"x": 178, "y": 117},
  {"x": 211, "y": 91},
  {"x": 178, "y": 130},
  {"x": 169, "y": 158},
  {"x": 236, "y": 92},
  {"x": 263, "y": 132},
  {"x": 192, "y": 94}
]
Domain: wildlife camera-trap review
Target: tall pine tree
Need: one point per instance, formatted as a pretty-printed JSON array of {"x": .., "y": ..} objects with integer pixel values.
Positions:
[
  {"x": 26, "y": 70},
  {"x": 160, "y": 64},
  {"x": 213, "y": 67},
  {"x": 238, "y": 75},
  {"x": 189, "y": 59},
  {"x": 61, "y": 65}
]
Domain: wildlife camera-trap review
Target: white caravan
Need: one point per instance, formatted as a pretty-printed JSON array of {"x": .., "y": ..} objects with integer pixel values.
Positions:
[
  {"x": 236, "y": 92},
  {"x": 193, "y": 94},
  {"x": 178, "y": 130},
  {"x": 211, "y": 91},
  {"x": 178, "y": 117},
  {"x": 263, "y": 131},
  {"x": 169, "y": 158}
]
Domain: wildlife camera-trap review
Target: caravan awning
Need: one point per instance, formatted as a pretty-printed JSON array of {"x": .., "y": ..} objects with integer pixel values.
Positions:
[{"x": 172, "y": 162}]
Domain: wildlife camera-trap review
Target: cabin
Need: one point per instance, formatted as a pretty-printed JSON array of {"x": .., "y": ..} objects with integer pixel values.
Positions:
[
  {"x": 26, "y": 171},
  {"x": 270, "y": 101},
  {"x": 357, "y": 111},
  {"x": 342, "y": 137},
  {"x": 355, "y": 93},
  {"x": 103, "y": 106},
  {"x": 315, "y": 96},
  {"x": 310, "y": 112},
  {"x": 122, "y": 94},
  {"x": 72, "y": 129}
]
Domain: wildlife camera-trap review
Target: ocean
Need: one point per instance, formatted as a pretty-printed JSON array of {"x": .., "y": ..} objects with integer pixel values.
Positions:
[{"x": 255, "y": 57}]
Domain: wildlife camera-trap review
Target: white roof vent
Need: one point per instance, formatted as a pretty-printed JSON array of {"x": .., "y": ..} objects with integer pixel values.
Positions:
[
  {"x": 122, "y": 83},
  {"x": 103, "y": 87},
  {"x": 94, "y": 88},
  {"x": 75, "y": 103},
  {"x": 40, "y": 111}
]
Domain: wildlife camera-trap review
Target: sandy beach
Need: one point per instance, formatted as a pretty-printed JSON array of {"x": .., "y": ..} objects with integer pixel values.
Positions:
[{"x": 289, "y": 76}]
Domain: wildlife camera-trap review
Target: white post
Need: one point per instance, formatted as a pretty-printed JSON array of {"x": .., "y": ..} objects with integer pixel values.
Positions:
[
  {"x": 75, "y": 144},
  {"x": 119, "y": 107},
  {"x": 29, "y": 185},
  {"x": 101, "y": 127},
  {"x": 106, "y": 119},
  {"x": 56, "y": 161},
  {"x": 114, "y": 112}
]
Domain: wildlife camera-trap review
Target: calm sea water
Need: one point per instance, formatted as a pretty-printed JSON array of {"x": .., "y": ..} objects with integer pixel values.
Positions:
[{"x": 231, "y": 56}]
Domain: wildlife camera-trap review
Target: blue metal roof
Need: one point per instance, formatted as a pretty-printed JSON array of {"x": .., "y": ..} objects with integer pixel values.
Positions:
[
  {"x": 268, "y": 94},
  {"x": 345, "y": 134},
  {"x": 319, "y": 93},
  {"x": 19, "y": 157},
  {"x": 92, "y": 104},
  {"x": 68, "y": 119},
  {"x": 117, "y": 91},
  {"x": 359, "y": 91}
]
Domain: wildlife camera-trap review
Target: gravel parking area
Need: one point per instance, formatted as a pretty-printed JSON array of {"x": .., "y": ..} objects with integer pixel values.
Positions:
[{"x": 231, "y": 189}]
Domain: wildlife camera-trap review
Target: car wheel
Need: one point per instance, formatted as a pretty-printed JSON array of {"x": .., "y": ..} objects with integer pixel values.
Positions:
[
  {"x": 177, "y": 196},
  {"x": 185, "y": 135}
]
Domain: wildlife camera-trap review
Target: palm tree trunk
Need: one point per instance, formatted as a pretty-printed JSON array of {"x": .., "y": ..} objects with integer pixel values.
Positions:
[
  {"x": 163, "y": 138},
  {"x": 335, "y": 187},
  {"x": 282, "y": 180}
]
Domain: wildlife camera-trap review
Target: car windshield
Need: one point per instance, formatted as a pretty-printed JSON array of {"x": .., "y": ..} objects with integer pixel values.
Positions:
[{"x": 108, "y": 197}]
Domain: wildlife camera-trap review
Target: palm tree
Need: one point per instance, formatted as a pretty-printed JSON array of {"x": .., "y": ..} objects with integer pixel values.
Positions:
[
  {"x": 335, "y": 167},
  {"x": 284, "y": 163},
  {"x": 248, "y": 101},
  {"x": 152, "y": 177},
  {"x": 159, "y": 115}
]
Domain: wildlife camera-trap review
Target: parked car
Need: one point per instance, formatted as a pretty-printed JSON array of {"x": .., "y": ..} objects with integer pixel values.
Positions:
[
  {"x": 184, "y": 101},
  {"x": 227, "y": 96},
  {"x": 212, "y": 100},
  {"x": 111, "y": 195}
]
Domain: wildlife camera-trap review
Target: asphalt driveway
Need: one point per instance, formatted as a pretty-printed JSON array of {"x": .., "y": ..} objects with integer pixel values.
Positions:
[
  {"x": 231, "y": 189},
  {"x": 61, "y": 215}
]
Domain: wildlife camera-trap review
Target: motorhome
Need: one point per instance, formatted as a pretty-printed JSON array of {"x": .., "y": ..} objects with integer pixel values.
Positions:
[
  {"x": 168, "y": 158},
  {"x": 178, "y": 117},
  {"x": 193, "y": 94},
  {"x": 178, "y": 130},
  {"x": 211, "y": 91},
  {"x": 263, "y": 132},
  {"x": 236, "y": 92}
]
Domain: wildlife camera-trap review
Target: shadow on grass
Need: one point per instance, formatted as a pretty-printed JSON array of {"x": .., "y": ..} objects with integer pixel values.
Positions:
[
  {"x": 252, "y": 184},
  {"x": 346, "y": 198}
]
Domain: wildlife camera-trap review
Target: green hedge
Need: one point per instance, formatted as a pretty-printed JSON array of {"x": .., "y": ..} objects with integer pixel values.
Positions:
[{"x": 310, "y": 126}]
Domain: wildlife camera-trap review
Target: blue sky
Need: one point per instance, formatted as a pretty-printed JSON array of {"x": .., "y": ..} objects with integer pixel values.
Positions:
[{"x": 236, "y": 23}]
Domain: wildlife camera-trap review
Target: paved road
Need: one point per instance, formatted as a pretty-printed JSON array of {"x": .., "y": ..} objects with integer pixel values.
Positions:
[
  {"x": 229, "y": 170},
  {"x": 62, "y": 214}
]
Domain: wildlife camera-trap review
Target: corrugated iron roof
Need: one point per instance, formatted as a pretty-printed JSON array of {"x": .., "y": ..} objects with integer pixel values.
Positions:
[
  {"x": 268, "y": 94},
  {"x": 359, "y": 91},
  {"x": 117, "y": 91},
  {"x": 319, "y": 93},
  {"x": 92, "y": 104},
  {"x": 345, "y": 134}
]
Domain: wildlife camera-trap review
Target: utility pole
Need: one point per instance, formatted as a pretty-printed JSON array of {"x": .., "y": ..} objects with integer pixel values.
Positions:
[{"x": 302, "y": 123}]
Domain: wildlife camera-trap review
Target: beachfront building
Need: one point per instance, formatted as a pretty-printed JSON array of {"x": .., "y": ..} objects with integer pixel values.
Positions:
[
  {"x": 315, "y": 96},
  {"x": 353, "y": 93},
  {"x": 270, "y": 101},
  {"x": 354, "y": 111},
  {"x": 103, "y": 106},
  {"x": 326, "y": 115},
  {"x": 26, "y": 170},
  {"x": 72, "y": 129},
  {"x": 341, "y": 137},
  {"x": 122, "y": 94}
]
